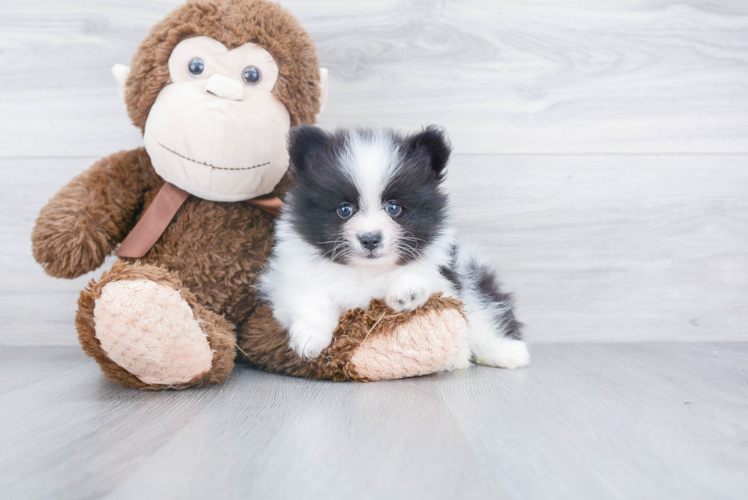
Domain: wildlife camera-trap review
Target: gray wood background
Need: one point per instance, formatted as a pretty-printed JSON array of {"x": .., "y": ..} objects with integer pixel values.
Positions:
[{"x": 600, "y": 147}]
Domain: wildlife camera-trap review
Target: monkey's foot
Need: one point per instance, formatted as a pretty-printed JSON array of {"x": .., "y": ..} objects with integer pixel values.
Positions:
[
  {"x": 146, "y": 332},
  {"x": 430, "y": 340}
]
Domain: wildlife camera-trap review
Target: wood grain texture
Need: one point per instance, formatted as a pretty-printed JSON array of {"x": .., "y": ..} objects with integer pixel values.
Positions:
[
  {"x": 617, "y": 248},
  {"x": 584, "y": 421},
  {"x": 621, "y": 248},
  {"x": 624, "y": 245},
  {"x": 34, "y": 308},
  {"x": 513, "y": 76}
]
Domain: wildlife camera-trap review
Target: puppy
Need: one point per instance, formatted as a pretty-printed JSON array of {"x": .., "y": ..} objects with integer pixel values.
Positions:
[{"x": 368, "y": 219}]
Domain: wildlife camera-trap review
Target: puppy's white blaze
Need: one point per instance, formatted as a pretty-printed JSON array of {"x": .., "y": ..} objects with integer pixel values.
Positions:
[{"x": 370, "y": 162}]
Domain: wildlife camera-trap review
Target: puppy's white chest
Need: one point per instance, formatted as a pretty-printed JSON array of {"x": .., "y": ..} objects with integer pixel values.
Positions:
[{"x": 357, "y": 289}]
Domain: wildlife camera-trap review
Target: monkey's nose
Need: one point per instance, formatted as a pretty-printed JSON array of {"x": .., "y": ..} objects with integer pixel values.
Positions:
[{"x": 225, "y": 87}]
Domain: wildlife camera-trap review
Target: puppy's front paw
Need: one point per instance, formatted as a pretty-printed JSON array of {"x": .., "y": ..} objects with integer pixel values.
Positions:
[
  {"x": 307, "y": 339},
  {"x": 407, "y": 295}
]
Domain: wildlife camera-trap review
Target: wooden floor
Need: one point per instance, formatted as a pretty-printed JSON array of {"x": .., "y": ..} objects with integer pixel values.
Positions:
[{"x": 585, "y": 421}]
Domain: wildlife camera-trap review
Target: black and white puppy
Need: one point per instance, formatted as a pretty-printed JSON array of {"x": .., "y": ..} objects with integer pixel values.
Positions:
[{"x": 368, "y": 219}]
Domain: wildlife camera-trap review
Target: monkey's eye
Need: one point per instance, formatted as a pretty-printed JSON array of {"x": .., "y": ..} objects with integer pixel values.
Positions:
[
  {"x": 393, "y": 208},
  {"x": 196, "y": 67},
  {"x": 345, "y": 210},
  {"x": 251, "y": 75}
]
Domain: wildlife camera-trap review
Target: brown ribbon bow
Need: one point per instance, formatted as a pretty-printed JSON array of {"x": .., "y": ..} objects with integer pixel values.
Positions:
[{"x": 162, "y": 210}]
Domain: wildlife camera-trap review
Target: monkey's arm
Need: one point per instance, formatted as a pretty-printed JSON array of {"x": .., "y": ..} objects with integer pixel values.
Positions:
[{"x": 83, "y": 223}]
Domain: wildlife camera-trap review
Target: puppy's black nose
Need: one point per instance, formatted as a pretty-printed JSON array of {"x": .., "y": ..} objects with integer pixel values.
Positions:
[{"x": 370, "y": 241}]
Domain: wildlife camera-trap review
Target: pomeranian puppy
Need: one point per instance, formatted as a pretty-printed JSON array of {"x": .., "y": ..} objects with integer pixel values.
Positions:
[{"x": 368, "y": 219}]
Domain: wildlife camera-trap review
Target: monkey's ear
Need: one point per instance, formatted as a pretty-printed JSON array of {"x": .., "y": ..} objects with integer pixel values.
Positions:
[
  {"x": 324, "y": 84},
  {"x": 433, "y": 143},
  {"x": 306, "y": 142},
  {"x": 121, "y": 72}
]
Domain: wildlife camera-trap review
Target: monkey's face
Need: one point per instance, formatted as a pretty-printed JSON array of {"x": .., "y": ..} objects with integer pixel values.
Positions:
[{"x": 217, "y": 131}]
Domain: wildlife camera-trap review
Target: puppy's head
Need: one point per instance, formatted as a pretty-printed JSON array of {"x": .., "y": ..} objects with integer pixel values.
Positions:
[{"x": 368, "y": 197}]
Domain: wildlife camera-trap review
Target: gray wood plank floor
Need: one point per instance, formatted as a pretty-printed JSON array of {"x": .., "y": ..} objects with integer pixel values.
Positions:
[{"x": 585, "y": 421}]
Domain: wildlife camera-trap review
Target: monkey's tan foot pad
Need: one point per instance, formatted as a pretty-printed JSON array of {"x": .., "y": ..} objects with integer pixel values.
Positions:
[
  {"x": 429, "y": 342},
  {"x": 148, "y": 329}
]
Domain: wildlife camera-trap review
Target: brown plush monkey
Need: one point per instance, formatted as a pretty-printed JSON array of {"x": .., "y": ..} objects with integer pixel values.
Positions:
[{"x": 215, "y": 88}]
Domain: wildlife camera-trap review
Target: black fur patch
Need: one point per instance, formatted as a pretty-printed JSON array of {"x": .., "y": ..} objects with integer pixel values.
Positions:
[
  {"x": 452, "y": 276},
  {"x": 321, "y": 186},
  {"x": 431, "y": 143},
  {"x": 490, "y": 290},
  {"x": 417, "y": 187},
  {"x": 450, "y": 272}
]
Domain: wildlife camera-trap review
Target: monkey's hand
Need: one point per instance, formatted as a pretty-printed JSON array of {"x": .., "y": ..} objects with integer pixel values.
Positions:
[{"x": 83, "y": 223}]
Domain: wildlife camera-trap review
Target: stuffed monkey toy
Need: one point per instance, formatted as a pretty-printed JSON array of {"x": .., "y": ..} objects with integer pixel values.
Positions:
[{"x": 215, "y": 88}]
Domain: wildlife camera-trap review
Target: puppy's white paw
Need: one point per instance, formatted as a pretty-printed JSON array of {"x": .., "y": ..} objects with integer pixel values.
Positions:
[
  {"x": 307, "y": 339},
  {"x": 504, "y": 353},
  {"x": 407, "y": 294},
  {"x": 462, "y": 361}
]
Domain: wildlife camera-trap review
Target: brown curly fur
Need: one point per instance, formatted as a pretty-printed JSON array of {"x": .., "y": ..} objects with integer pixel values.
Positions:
[
  {"x": 211, "y": 252},
  {"x": 233, "y": 23}
]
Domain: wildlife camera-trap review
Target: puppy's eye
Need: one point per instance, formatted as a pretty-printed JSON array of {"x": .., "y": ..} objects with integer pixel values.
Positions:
[
  {"x": 345, "y": 210},
  {"x": 251, "y": 75},
  {"x": 196, "y": 66},
  {"x": 393, "y": 208}
]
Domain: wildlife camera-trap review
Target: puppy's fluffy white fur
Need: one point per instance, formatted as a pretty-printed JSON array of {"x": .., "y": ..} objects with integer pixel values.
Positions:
[{"x": 320, "y": 266}]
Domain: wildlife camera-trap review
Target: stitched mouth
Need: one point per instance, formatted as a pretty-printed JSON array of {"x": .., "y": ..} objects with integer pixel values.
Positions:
[{"x": 213, "y": 166}]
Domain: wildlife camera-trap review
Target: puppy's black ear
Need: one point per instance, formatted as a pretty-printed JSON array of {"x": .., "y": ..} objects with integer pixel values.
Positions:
[
  {"x": 433, "y": 143},
  {"x": 304, "y": 142}
]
